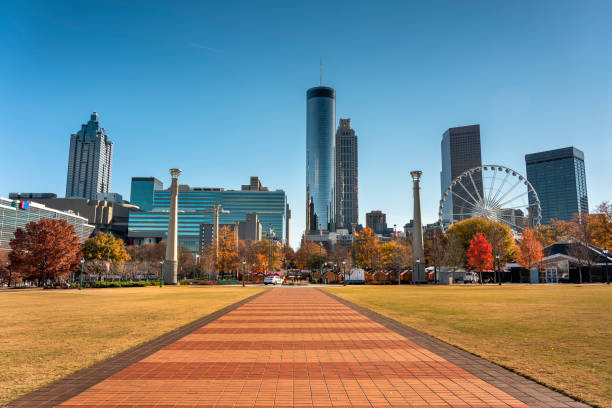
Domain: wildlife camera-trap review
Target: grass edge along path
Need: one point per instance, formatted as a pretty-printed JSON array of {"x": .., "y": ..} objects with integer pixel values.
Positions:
[
  {"x": 41, "y": 345},
  {"x": 537, "y": 336}
]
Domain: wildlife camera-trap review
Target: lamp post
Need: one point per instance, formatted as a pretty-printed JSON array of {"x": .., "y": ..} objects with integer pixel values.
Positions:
[
  {"x": 321, "y": 260},
  {"x": 418, "y": 265},
  {"x": 243, "y": 269},
  {"x": 605, "y": 251},
  {"x": 82, "y": 262},
  {"x": 161, "y": 280},
  {"x": 498, "y": 271},
  {"x": 344, "y": 267},
  {"x": 252, "y": 270}
]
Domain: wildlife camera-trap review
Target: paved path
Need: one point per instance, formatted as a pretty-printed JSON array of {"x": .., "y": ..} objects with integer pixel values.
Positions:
[{"x": 297, "y": 347}]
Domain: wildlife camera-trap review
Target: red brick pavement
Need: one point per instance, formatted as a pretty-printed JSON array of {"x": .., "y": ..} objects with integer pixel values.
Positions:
[{"x": 292, "y": 347}]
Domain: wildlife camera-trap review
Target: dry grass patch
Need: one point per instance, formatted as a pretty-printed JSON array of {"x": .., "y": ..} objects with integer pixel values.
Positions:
[
  {"x": 560, "y": 335},
  {"x": 46, "y": 335}
]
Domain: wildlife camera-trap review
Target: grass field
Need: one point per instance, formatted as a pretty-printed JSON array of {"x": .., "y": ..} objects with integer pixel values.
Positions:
[
  {"x": 45, "y": 335},
  {"x": 560, "y": 335}
]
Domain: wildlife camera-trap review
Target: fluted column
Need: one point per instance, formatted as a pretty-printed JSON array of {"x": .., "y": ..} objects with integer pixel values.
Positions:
[
  {"x": 171, "y": 262},
  {"x": 418, "y": 254}
]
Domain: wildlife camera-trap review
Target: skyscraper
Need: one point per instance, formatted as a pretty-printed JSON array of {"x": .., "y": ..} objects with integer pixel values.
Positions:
[
  {"x": 377, "y": 221},
  {"x": 320, "y": 175},
  {"x": 346, "y": 176},
  {"x": 559, "y": 179},
  {"x": 90, "y": 161},
  {"x": 460, "y": 152}
]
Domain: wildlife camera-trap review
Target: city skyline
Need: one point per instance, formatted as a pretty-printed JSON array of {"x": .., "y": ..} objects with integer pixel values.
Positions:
[{"x": 534, "y": 85}]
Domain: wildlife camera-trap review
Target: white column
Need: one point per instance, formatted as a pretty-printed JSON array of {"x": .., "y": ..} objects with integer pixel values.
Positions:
[{"x": 171, "y": 262}]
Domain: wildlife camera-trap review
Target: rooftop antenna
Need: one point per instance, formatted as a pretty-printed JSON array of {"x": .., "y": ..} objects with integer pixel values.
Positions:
[{"x": 320, "y": 71}]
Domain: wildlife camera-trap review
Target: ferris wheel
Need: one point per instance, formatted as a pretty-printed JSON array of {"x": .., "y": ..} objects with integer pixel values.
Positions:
[{"x": 494, "y": 192}]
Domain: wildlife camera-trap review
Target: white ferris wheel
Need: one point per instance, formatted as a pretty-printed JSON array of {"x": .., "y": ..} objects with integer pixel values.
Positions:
[{"x": 494, "y": 192}]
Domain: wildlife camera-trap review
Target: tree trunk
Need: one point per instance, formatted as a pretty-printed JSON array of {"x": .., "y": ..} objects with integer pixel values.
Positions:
[
  {"x": 480, "y": 272},
  {"x": 580, "y": 272}
]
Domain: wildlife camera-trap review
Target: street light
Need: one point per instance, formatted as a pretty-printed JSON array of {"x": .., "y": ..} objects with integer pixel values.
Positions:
[
  {"x": 418, "y": 271},
  {"x": 82, "y": 262},
  {"x": 252, "y": 270},
  {"x": 498, "y": 270},
  {"x": 161, "y": 281},
  {"x": 605, "y": 251},
  {"x": 243, "y": 269},
  {"x": 344, "y": 266}
]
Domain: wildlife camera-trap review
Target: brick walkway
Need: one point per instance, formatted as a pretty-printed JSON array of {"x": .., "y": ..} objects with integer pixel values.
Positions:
[{"x": 294, "y": 347}]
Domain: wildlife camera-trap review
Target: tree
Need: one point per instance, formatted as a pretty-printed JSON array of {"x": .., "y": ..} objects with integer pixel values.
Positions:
[
  {"x": 45, "y": 250},
  {"x": 497, "y": 233},
  {"x": 479, "y": 254},
  {"x": 529, "y": 252},
  {"x": 580, "y": 234},
  {"x": 455, "y": 254},
  {"x": 435, "y": 252},
  {"x": 549, "y": 234},
  {"x": 601, "y": 222},
  {"x": 308, "y": 256},
  {"x": 6, "y": 273},
  {"x": 365, "y": 249},
  {"x": 105, "y": 246},
  {"x": 227, "y": 253}
]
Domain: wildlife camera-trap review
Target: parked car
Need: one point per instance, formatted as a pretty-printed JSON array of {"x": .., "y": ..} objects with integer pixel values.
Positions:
[{"x": 273, "y": 279}]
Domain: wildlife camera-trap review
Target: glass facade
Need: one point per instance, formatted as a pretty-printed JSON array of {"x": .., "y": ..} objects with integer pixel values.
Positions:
[
  {"x": 460, "y": 150},
  {"x": 142, "y": 191},
  {"x": 15, "y": 215},
  {"x": 347, "y": 207},
  {"x": 320, "y": 163},
  {"x": 195, "y": 207},
  {"x": 559, "y": 179}
]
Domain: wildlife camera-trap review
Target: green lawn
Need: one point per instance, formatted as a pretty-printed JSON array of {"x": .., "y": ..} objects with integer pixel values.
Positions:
[
  {"x": 48, "y": 334},
  {"x": 560, "y": 335}
]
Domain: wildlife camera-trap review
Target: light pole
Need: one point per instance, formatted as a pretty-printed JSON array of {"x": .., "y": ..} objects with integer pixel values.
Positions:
[
  {"x": 161, "y": 280},
  {"x": 108, "y": 252},
  {"x": 344, "y": 266},
  {"x": 82, "y": 262},
  {"x": 252, "y": 270},
  {"x": 498, "y": 271},
  {"x": 321, "y": 260},
  {"x": 418, "y": 262},
  {"x": 605, "y": 251},
  {"x": 243, "y": 269}
]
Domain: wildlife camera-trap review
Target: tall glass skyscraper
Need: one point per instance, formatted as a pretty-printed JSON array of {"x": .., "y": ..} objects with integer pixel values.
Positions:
[
  {"x": 90, "y": 161},
  {"x": 346, "y": 176},
  {"x": 559, "y": 179},
  {"x": 460, "y": 152},
  {"x": 320, "y": 163}
]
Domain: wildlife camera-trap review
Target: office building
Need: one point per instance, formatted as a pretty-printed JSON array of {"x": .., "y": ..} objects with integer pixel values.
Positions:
[
  {"x": 195, "y": 212},
  {"x": 460, "y": 152},
  {"x": 90, "y": 161},
  {"x": 18, "y": 213},
  {"x": 104, "y": 215},
  {"x": 377, "y": 221},
  {"x": 320, "y": 165},
  {"x": 559, "y": 179},
  {"x": 346, "y": 176}
]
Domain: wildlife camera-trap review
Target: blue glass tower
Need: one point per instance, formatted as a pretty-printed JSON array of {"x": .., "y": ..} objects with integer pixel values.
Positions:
[
  {"x": 559, "y": 179},
  {"x": 320, "y": 163}
]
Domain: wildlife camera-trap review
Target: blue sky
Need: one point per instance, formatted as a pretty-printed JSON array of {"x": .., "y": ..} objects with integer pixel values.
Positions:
[{"x": 219, "y": 89}]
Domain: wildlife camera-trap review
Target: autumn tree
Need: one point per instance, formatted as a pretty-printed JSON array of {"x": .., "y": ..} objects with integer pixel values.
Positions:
[
  {"x": 341, "y": 254},
  {"x": 479, "y": 254},
  {"x": 394, "y": 255},
  {"x": 6, "y": 274},
  {"x": 601, "y": 223},
  {"x": 227, "y": 253},
  {"x": 365, "y": 249},
  {"x": 498, "y": 234},
  {"x": 310, "y": 255},
  {"x": 454, "y": 252},
  {"x": 529, "y": 252},
  {"x": 45, "y": 250},
  {"x": 435, "y": 252}
]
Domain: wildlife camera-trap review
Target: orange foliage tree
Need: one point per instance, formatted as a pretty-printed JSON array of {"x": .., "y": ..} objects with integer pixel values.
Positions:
[
  {"x": 529, "y": 252},
  {"x": 365, "y": 249},
  {"x": 479, "y": 254},
  {"x": 309, "y": 255},
  {"x": 227, "y": 254},
  {"x": 45, "y": 250}
]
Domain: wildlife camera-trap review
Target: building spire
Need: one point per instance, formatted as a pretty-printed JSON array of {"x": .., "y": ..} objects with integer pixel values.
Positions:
[{"x": 320, "y": 71}]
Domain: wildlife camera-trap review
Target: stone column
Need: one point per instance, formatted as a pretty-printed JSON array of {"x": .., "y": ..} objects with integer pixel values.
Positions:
[
  {"x": 171, "y": 262},
  {"x": 418, "y": 268}
]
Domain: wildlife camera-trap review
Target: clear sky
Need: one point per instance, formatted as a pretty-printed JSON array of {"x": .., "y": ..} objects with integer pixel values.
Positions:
[{"x": 219, "y": 89}]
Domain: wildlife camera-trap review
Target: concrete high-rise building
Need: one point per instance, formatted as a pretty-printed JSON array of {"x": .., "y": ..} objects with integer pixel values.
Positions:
[
  {"x": 377, "y": 221},
  {"x": 320, "y": 164},
  {"x": 460, "y": 152},
  {"x": 559, "y": 179},
  {"x": 90, "y": 161},
  {"x": 346, "y": 176}
]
